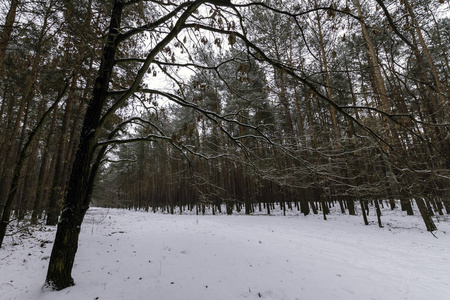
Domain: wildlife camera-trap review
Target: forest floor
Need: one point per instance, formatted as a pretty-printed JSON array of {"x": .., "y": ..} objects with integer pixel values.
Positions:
[{"x": 138, "y": 255}]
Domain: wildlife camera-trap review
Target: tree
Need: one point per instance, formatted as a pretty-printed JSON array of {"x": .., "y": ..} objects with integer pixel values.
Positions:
[{"x": 99, "y": 110}]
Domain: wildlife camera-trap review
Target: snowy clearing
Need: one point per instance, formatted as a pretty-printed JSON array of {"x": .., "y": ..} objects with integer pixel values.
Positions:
[{"x": 138, "y": 255}]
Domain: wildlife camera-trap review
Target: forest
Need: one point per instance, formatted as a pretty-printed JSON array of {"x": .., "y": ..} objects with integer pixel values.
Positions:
[{"x": 230, "y": 106}]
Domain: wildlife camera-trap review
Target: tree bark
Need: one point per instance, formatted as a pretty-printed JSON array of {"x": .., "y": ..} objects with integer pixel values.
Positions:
[
  {"x": 59, "y": 274},
  {"x": 59, "y": 184},
  {"x": 43, "y": 172},
  {"x": 7, "y": 30},
  {"x": 426, "y": 215}
]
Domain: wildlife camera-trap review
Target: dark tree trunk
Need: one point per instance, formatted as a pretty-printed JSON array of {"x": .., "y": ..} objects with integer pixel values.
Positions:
[
  {"x": 59, "y": 274},
  {"x": 341, "y": 205},
  {"x": 351, "y": 207},
  {"x": 314, "y": 207},
  {"x": 324, "y": 210},
  {"x": 304, "y": 206},
  {"x": 438, "y": 206},
  {"x": 378, "y": 210},
  {"x": 426, "y": 215},
  {"x": 392, "y": 204},
  {"x": 406, "y": 206},
  {"x": 366, "y": 222}
]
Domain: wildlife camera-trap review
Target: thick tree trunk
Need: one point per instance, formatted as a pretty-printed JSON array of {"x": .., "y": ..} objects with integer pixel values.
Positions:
[
  {"x": 351, "y": 206},
  {"x": 406, "y": 206},
  {"x": 59, "y": 274},
  {"x": 7, "y": 30}
]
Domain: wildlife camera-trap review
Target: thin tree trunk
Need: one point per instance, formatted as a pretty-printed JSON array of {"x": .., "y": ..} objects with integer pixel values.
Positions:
[
  {"x": 58, "y": 187},
  {"x": 327, "y": 77},
  {"x": 363, "y": 210},
  {"x": 18, "y": 169},
  {"x": 43, "y": 173}
]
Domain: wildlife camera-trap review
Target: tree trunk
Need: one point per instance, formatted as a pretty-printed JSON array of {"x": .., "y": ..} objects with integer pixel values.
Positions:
[
  {"x": 426, "y": 215},
  {"x": 43, "y": 173},
  {"x": 406, "y": 206},
  {"x": 7, "y": 30},
  {"x": 59, "y": 274},
  {"x": 351, "y": 206},
  {"x": 363, "y": 210},
  {"x": 327, "y": 76},
  {"x": 378, "y": 211},
  {"x": 59, "y": 184}
]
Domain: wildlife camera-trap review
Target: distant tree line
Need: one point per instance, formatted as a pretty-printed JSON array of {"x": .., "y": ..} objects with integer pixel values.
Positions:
[{"x": 386, "y": 139}]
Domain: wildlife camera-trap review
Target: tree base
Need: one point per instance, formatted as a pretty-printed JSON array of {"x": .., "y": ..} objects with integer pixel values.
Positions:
[{"x": 49, "y": 285}]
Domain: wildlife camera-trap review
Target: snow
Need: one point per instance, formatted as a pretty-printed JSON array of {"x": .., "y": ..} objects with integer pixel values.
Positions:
[{"x": 138, "y": 255}]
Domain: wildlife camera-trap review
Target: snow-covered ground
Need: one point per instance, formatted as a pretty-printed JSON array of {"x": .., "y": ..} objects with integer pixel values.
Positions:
[{"x": 138, "y": 255}]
